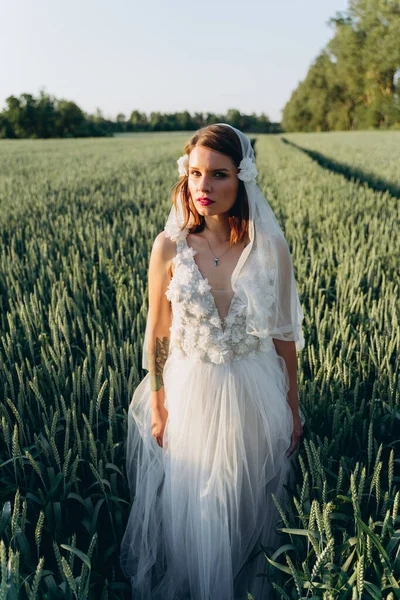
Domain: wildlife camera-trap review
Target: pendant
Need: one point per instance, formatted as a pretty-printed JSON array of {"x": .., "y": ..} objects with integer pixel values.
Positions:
[{"x": 216, "y": 261}]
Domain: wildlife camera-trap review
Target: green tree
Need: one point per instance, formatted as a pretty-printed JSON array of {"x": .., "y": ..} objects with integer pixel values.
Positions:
[
  {"x": 121, "y": 123},
  {"x": 46, "y": 116},
  {"x": 139, "y": 121},
  {"x": 71, "y": 121},
  {"x": 21, "y": 113},
  {"x": 310, "y": 102},
  {"x": 354, "y": 82},
  {"x": 234, "y": 118},
  {"x": 6, "y": 130}
]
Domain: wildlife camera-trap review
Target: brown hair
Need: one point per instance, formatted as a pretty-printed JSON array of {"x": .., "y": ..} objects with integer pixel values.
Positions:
[{"x": 221, "y": 139}]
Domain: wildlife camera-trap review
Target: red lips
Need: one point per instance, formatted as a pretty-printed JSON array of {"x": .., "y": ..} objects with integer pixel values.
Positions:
[{"x": 205, "y": 201}]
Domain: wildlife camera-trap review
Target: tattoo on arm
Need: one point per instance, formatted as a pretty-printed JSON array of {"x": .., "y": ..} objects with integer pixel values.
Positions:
[{"x": 157, "y": 359}]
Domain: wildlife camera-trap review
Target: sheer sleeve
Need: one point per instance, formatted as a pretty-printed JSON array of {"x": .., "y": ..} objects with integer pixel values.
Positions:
[{"x": 286, "y": 315}]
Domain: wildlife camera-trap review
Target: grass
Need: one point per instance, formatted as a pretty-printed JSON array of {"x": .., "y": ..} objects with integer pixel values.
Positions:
[{"x": 77, "y": 222}]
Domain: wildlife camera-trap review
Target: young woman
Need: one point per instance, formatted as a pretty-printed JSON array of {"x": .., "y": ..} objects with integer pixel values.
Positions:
[{"x": 214, "y": 423}]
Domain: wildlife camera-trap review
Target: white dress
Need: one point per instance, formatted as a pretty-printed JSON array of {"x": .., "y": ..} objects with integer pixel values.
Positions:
[{"x": 202, "y": 503}]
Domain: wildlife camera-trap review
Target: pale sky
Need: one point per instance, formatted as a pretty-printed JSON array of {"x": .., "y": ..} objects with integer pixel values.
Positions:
[{"x": 170, "y": 55}]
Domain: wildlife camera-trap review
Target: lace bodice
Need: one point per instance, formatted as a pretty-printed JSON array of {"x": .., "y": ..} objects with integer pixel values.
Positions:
[{"x": 197, "y": 330}]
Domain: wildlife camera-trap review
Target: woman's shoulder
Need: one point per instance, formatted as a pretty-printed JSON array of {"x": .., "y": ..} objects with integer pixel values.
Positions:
[
  {"x": 164, "y": 247},
  {"x": 164, "y": 243}
]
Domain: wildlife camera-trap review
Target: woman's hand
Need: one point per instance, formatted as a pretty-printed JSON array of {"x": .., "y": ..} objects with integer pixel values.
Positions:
[
  {"x": 159, "y": 416},
  {"x": 297, "y": 432}
]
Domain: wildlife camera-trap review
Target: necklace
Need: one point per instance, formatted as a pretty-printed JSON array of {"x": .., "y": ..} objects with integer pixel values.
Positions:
[{"x": 216, "y": 258}]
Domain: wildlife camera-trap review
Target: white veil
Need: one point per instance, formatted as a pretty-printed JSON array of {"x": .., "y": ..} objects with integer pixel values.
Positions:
[{"x": 264, "y": 277}]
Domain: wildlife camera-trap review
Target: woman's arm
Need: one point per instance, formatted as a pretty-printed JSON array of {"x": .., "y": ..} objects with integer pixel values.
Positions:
[
  {"x": 287, "y": 350},
  {"x": 159, "y": 324}
]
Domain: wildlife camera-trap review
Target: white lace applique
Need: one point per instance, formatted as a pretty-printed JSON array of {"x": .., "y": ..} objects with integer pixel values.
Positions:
[
  {"x": 197, "y": 330},
  {"x": 174, "y": 231}
]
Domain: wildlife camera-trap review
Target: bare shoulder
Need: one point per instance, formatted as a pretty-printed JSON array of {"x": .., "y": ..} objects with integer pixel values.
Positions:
[
  {"x": 163, "y": 251},
  {"x": 164, "y": 246}
]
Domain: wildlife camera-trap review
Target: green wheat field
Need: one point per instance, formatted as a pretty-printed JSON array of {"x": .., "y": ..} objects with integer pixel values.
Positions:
[{"x": 77, "y": 223}]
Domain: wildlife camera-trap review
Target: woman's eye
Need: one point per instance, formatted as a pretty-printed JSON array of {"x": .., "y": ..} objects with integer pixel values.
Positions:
[{"x": 195, "y": 173}]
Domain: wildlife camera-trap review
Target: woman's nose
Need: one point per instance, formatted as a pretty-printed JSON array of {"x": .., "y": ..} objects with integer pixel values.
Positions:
[{"x": 204, "y": 183}]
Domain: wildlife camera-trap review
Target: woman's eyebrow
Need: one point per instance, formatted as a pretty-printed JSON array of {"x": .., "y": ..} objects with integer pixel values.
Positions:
[{"x": 194, "y": 167}]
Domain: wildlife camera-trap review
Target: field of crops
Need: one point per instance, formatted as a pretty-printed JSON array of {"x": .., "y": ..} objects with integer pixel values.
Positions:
[
  {"x": 367, "y": 156},
  {"x": 77, "y": 222}
]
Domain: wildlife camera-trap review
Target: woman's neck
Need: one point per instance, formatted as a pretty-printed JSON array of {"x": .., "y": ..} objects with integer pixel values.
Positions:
[{"x": 217, "y": 227}]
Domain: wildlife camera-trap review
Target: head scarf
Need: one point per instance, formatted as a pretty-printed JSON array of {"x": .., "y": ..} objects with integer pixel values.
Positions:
[{"x": 263, "y": 277}]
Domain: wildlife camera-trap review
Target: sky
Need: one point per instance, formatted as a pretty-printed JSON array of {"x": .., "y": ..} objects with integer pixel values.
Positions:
[{"x": 164, "y": 55}]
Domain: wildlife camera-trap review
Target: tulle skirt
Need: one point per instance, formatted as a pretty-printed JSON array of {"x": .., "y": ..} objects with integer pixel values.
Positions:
[{"x": 202, "y": 504}]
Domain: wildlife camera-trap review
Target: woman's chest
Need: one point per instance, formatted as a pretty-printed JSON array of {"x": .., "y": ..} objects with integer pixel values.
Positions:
[{"x": 203, "y": 268}]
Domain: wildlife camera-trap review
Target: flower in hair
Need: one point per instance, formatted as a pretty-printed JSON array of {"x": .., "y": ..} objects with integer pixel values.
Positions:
[
  {"x": 183, "y": 165},
  {"x": 247, "y": 169}
]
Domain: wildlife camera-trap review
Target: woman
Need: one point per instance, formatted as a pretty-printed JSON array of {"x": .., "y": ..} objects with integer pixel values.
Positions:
[{"x": 214, "y": 422}]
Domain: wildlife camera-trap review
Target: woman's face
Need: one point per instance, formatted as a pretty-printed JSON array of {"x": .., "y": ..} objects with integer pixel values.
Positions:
[{"x": 212, "y": 175}]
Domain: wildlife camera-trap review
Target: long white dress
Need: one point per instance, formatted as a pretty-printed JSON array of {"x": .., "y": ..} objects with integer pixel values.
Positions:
[{"x": 202, "y": 503}]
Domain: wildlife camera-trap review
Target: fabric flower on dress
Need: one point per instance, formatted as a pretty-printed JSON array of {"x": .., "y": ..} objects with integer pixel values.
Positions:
[
  {"x": 197, "y": 309},
  {"x": 204, "y": 286},
  {"x": 215, "y": 320},
  {"x": 248, "y": 170},
  {"x": 236, "y": 335},
  {"x": 175, "y": 232},
  {"x": 231, "y": 316},
  {"x": 185, "y": 276},
  {"x": 214, "y": 354},
  {"x": 204, "y": 337},
  {"x": 183, "y": 165},
  {"x": 173, "y": 291},
  {"x": 187, "y": 294},
  {"x": 188, "y": 251},
  {"x": 204, "y": 329}
]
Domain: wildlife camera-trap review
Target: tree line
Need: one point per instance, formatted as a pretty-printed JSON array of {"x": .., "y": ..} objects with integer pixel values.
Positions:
[
  {"x": 354, "y": 83},
  {"x": 44, "y": 116}
]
